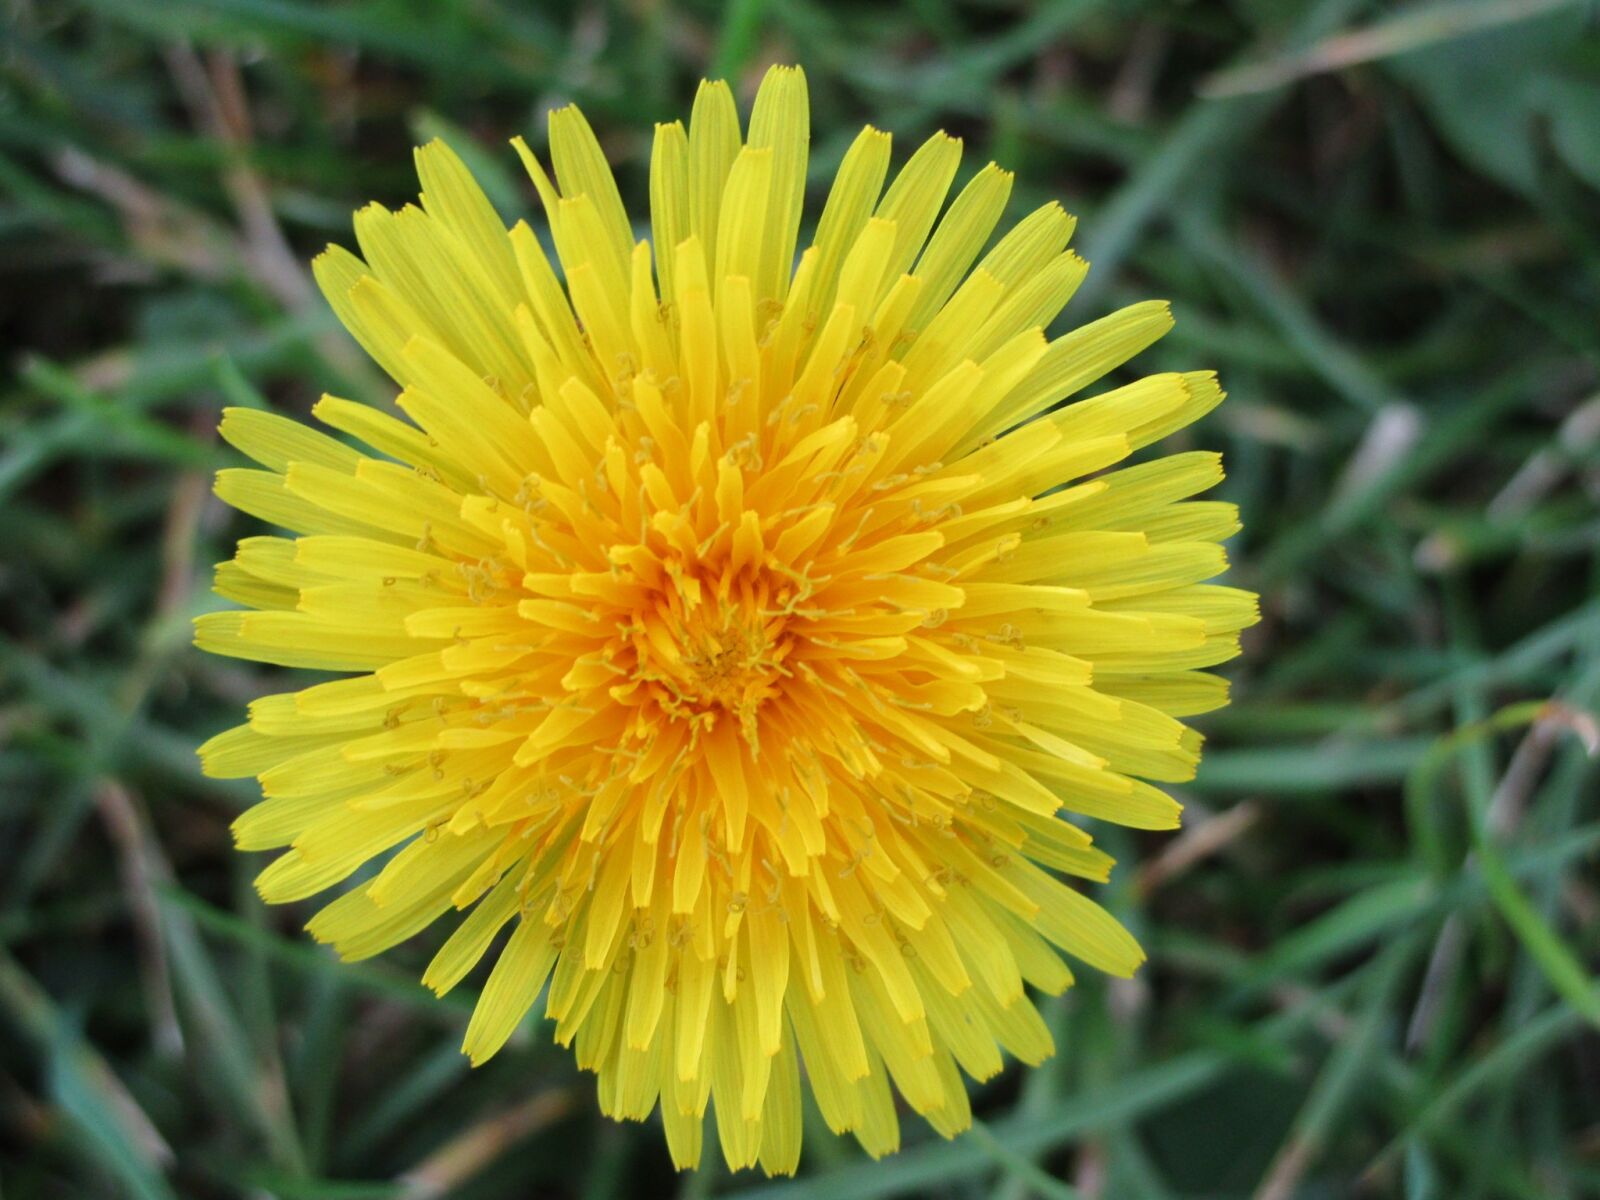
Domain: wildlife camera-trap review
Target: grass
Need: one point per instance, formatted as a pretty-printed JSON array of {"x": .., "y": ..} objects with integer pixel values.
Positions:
[{"x": 1373, "y": 946}]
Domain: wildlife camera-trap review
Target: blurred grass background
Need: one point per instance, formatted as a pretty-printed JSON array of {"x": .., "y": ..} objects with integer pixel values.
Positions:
[{"x": 1373, "y": 943}]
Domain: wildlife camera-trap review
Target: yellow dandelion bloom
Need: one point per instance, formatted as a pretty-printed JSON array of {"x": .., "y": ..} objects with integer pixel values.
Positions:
[{"x": 725, "y": 631}]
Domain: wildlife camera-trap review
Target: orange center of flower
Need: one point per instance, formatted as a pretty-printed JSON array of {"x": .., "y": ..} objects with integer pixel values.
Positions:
[{"x": 707, "y": 648}]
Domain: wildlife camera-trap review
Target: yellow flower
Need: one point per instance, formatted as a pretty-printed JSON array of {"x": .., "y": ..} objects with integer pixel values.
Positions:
[{"x": 735, "y": 635}]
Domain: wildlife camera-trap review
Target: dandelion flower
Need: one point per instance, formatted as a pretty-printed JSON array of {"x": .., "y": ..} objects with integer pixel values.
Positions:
[{"x": 733, "y": 639}]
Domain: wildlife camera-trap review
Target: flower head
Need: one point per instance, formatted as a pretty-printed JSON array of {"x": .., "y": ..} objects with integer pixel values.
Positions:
[{"x": 729, "y": 637}]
